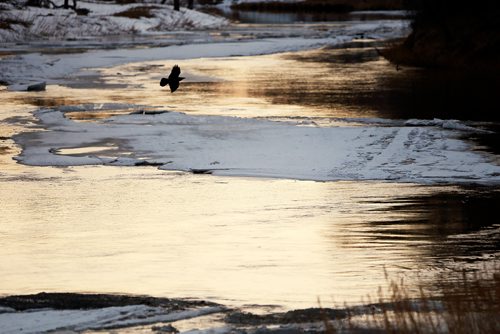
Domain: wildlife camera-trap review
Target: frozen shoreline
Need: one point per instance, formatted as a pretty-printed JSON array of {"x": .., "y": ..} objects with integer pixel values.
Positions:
[
  {"x": 48, "y": 313},
  {"x": 45, "y": 312}
]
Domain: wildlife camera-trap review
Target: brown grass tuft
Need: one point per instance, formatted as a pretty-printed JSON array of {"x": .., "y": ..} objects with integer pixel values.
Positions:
[
  {"x": 468, "y": 304},
  {"x": 456, "y": 303},
  {"x": 138, "y": 12},
  {"x": 6, "y": 23}
]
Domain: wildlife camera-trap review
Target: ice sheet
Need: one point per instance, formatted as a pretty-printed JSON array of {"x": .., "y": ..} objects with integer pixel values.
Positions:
[{"x": 263, "y": 148}]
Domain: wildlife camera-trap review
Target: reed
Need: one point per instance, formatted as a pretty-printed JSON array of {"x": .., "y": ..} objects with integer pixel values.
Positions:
[{"x": 467, "y": 303}]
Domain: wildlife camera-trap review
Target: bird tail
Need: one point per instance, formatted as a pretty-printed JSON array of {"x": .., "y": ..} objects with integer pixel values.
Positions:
[{"x": 163, "y": 82}]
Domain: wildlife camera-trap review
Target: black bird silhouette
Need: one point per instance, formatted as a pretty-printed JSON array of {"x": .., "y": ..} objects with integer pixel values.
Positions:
[{"x": 173, "y": 79}]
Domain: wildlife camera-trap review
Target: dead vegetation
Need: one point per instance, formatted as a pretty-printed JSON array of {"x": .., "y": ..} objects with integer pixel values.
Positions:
[
  {"x": 469, "y": 303},
  {"x": 138, "y": 12},
  {"x": 456, "y": 303},
  {"x": 7, "y": 23}
]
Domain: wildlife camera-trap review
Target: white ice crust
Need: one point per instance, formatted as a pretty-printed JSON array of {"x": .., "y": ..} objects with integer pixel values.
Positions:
[
  {"x": 264, "y": 148},
  {"x": 45, "y": 320}
]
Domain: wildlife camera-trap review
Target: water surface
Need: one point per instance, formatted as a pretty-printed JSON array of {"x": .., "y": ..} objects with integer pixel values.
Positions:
[
  {"x": 230, "y": 239},
  {"x": 238, "y": 241}
]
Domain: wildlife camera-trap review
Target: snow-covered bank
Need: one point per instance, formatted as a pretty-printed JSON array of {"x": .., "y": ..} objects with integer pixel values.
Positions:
[
  {"x": 261, "y": 148},
  {"x": 21, "y": 70},
  {"x": 164, "y": 315},
  {"x": 104, "y": 19}
]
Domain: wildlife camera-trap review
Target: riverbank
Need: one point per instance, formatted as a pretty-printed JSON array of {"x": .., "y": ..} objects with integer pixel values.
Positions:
[
  {"x": 471, "y": 308},
  {"x": 104, "y": 19},
  {"x": 448, "y": 34}
]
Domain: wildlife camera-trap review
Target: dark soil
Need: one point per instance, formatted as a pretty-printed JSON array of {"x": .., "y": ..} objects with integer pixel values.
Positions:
[
  {"x": 295, "y": 316},
  {"x": 74, "y": 301}
]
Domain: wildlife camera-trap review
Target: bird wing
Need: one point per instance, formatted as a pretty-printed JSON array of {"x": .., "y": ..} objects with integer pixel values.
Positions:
[{"x": 176, "y": 71}]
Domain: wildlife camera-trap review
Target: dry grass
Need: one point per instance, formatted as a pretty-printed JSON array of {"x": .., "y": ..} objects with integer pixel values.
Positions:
[
  {"x": 138, "y": 12},
  {"x": 468, "y": 304},
  {"x": 6, "y": 23}
]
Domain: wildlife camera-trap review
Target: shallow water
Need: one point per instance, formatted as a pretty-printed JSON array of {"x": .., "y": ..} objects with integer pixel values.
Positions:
[
  {"x": 352, "y": 82},
  {"x": 235, "y": 240},
  {"x": 231, "y": 239}
]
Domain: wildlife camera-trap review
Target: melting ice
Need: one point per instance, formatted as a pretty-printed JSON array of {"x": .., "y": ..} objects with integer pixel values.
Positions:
[{"x": 416, "y": 151}]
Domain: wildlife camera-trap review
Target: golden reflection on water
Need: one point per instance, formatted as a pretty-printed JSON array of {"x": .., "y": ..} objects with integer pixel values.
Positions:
[
  {"x": 259, "y": 86},
  {"x": 236, "y": 240}
]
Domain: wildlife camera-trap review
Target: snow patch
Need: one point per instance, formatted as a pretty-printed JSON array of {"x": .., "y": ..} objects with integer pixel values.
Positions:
[
  {"x": 263, "y": 148},
  {"x": 31, "y": 23},
  {"x": 36, "y": 321}
]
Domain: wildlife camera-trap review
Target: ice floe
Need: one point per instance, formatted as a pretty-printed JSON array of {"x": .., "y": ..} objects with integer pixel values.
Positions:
[{"x": 262, "y": 148}]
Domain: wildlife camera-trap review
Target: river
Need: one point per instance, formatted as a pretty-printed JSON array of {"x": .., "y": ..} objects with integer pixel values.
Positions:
[{"x": 241, "y": 240}]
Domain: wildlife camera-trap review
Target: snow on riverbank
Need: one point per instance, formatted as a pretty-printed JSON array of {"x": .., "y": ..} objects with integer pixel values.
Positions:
[
  {"x": 104, "y": 19},
  {"x": 22, "y": 70},
  {"x": 45, "y": 320},
  {"x": 261, "y": 148}
]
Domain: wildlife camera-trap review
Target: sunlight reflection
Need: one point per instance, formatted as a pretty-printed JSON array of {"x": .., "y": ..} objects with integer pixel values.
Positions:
[
  {"x": 235, "y": 240},
  {"x": 147, "y": 231}
]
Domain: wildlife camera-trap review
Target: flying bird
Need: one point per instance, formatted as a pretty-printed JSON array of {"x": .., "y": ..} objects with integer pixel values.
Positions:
[{"x": 173, "y": 79}]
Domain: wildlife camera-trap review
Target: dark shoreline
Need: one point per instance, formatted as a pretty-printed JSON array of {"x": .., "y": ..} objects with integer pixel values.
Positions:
[
  {"x": 315, "y": 320},
  {"x": 75, "y": 301},
  {"x": 456, "y": 35}
]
